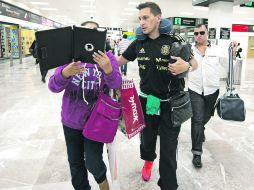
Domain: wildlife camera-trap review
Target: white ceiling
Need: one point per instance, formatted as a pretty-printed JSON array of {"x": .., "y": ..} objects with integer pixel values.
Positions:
[{"x": 119, "y": 13}]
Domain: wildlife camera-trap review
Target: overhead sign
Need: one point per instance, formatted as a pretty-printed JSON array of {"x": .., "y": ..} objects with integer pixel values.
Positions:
[
  {"x": 248, "y": 4},
  {"x": 47, "y": 22},
  {"x": 14, "y": 12},
  {"x": 242, "y": 28},
  {"x": 182, "y": 21},
  {"x": 205, "y": 22},
  {"x": 225, "y": 33},
  {"x": 35, "y": 18},
  {"x": 212, "y": 33},
  {"x": 9, "y": 10},
  {"x": 251, "y": 28}
]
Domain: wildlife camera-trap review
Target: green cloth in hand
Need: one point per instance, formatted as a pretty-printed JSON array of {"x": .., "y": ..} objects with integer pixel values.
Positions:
[{"x": 152, "y": 105}]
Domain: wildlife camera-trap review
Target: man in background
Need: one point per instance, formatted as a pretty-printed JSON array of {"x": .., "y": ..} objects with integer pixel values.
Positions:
[
  {"x": 122, "y": 46},
  {"x": 204, "y": 85},
  {"x": 238, "y": 51}
]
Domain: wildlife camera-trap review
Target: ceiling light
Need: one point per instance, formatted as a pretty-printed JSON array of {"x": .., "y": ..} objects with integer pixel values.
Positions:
[
  {"x": 39, "y": 3},
  {"x": 129, "y": 14},
  {"x": 133, "y": 3},
  {"x": 201, "y": 8},
  {"x": 130, "y": 9},
  {"x": 49, "y": 9},
  {"x": 88, "y": 0},
  {"x": 61, "y": 16},
  {"x": 240, "y": 12},
  {"x": 87, "y": 6},
  {"x": 21, "y": 5},
  {"x": 89, "y": 11},
  {"x": 35, "y": 11},
  {"x": 186, "y": 13}
]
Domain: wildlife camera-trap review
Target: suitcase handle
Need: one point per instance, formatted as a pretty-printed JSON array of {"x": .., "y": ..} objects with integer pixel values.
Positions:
[{"x": 231, "y": 51}]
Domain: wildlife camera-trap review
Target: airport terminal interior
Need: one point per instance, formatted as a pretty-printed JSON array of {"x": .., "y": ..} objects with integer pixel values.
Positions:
[{"x": 33, "y": 152}]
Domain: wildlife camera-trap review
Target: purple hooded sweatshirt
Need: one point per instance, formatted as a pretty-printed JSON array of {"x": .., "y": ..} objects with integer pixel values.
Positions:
[{"x": 75, "y": 110}]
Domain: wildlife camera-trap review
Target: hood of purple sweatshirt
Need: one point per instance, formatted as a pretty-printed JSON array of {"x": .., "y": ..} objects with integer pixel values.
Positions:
[{"x": 75, "y": 110}]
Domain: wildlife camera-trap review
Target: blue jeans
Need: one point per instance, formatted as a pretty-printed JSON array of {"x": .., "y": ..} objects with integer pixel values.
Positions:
[
  {"x": 203, "y": 110},
  {"x": 84, "y": 154}
]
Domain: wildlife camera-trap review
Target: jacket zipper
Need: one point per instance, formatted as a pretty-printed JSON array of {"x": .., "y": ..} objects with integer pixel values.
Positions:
[
  {"x": 110, "y": 105},
  {"x": 172, "y": 109}
]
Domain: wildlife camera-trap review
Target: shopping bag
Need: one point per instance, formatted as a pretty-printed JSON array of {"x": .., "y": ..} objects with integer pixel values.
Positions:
[
  {"x": 131, "y": 109},
  {"x": 113, "y": 164},
  {"x": 102, "y": 124}
]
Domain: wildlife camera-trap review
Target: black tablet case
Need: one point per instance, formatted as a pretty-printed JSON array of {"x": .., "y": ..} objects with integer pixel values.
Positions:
[{"x": 60, "y": 46}]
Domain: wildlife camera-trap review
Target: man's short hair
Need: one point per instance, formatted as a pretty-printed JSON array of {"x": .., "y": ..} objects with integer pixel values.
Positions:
[
  {"x": 200, "y": 25},
  {"x": 155, "y": 9},
  {"x": 90, "y": 22},
  {"x": 125, "y": 36}
]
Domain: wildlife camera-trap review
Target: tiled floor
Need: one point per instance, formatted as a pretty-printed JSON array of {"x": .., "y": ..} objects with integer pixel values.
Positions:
[{"x": 32, "y": 147}]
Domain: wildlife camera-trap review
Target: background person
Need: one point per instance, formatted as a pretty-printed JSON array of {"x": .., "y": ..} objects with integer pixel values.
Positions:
[
  {"x": 122, "y": 46},
  {"x": 33, "y": 51},
  {"x": 239, "y": 51},
  {"x": 203, "y": 88}
]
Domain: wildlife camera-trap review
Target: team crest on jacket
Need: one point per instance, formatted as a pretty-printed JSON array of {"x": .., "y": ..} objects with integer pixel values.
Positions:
[{"x": 165, "y": 50}]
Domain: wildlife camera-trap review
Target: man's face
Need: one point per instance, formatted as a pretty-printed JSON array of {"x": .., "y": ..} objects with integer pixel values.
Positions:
[
  {"x": 148, "y": 22},
  {"x": 200, "y": 34}
]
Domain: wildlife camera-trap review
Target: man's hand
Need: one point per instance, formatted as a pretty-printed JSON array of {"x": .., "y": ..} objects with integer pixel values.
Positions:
[
  {"x": 103, "y": 61},
  {"x": 179, "y": 66},
  {"x": 72, "y": 69}
]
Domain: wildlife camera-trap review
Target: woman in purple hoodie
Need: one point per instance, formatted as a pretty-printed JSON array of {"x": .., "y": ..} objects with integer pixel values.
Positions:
[{"x": 81, "y": 87}]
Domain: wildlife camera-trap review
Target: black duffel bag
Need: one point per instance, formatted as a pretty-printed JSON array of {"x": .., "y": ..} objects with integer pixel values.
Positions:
[{"x": 231, "y": 107}]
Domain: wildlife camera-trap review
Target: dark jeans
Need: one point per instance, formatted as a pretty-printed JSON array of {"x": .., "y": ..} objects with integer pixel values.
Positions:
[
  {"x": 203, "y": 109},
  {"x": 168, "y": 145},
  {"x": 84, "y": 154},
  {"x": 124, "y": 69},
  {"x": 44, "y": 74}
]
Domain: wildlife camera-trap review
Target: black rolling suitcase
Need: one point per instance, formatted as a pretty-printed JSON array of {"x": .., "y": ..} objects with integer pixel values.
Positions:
[{"x": 230, "y": 106}]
